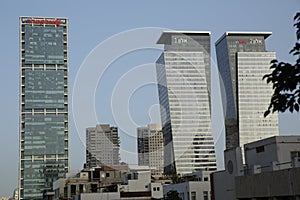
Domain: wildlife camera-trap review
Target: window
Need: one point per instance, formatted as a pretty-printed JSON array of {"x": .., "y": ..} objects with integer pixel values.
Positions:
[
  {"x": 81, "y": 188},
  {"x": 295, "y": 154},
  {"x": 205, "y": 178},
  {"x": 260, "y": 149},
  {"x": 205, "y": 195},
  {"x": 193, "y": 195},
  {"x": 107, "y": 174},
  {"x": 94, "y": 188},
  {"x": 65, "y": 192},
  {"x": 73, "y": 189}
]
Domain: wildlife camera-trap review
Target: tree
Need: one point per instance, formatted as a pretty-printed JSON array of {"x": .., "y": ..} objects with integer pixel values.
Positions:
[
  {"x": 172, "y": 195},
  {"x": 285, "y": 78}
]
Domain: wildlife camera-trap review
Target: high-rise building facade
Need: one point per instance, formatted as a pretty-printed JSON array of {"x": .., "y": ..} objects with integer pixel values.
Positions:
[
  {"x": 44, "y": 113},
  {"x": 102, "y": 146},
  {"x": 151, "y": 148},
  {"x": 242, "y": 62},
  {"x": 183, "y": 74}
]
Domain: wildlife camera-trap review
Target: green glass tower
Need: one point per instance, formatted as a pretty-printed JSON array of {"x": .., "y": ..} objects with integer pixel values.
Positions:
[{"x": 44, "y": 112}]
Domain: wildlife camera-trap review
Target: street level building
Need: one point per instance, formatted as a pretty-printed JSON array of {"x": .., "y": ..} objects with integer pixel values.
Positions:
[
  {"x": 271, "y": 171},
  {"x": 183, "y": 76},
  {"x": 151, "y": 148},
  {"x": 93, "y": 180},
  {"x": 44, "y": 112},
  {"x": 105, "y": 184},
  {"x": 195, "y": 186},
  {"x": 242, "y": 62},
  {"x": 102, "y": 146}
]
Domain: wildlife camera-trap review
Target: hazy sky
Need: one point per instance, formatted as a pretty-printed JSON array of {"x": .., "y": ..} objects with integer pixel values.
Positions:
[{"x": 92, "y": 22}]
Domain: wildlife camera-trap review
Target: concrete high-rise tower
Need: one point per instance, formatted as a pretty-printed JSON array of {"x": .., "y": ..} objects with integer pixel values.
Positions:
[
  {"x": 242, "y": 62},
  {"x": 102, "y": 146},
  {"x": 44, "y": 112},
  {"x": 183, "y": 74},
  {"x": 151, "y": 148}
]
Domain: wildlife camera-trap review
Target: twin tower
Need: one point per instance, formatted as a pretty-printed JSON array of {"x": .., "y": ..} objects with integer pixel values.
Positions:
[{"x": 184, "y": 88}]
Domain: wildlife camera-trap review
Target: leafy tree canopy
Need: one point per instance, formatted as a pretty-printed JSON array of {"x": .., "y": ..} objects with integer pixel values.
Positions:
[
  {"x": 172, "y": 195},
  {"x": 285, "y": 78}
]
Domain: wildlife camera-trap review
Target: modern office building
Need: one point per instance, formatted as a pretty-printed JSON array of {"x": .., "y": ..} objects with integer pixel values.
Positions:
[
  {"x": 151, "y": 148},
  {"x": 44, "y": 112},
  {"x": 183, "y": 74},
  {"x": 242, "y": 62},
  {"x": 102, "y": 146}
]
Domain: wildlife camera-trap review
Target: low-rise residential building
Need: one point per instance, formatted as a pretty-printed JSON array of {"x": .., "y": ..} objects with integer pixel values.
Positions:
[
  {"x": 195, "y": 186},
  {"x": 108, "y": 183},
  {"x": 271, "y": 171},
  {"x": 94, "y": 180},
  {"x": 137, "y": 183}
]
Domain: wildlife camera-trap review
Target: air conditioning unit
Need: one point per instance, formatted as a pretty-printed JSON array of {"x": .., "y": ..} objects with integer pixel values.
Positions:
[
  {"x": 275, "y": 166},
  {"x": 296, "y": 162},
  {"x": 256, "y": 169}
]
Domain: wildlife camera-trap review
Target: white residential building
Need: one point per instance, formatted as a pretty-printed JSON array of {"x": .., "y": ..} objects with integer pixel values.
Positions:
[
  {"x": 272, "y": 171},
  {"x": 195, "y": 187}
]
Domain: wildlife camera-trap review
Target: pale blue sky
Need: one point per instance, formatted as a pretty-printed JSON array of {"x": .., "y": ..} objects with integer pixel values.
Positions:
[{"x": 91, "y": 22}]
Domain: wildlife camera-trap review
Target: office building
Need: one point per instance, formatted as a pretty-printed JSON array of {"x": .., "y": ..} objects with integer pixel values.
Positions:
[
  {"x": 102, "y": 146},
  {"x": 183, "y": 74},
  {"x": 242, "y": 62},
  {"x": 151, "y": 148},
  {"x": 44, "y": 113}
]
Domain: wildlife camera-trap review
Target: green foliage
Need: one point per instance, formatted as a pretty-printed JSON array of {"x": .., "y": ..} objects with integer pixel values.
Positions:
[
  {"x": 172, "y": 195},
  {"x": 176, "y": 178},
  {"x": 285, "y": 78}
]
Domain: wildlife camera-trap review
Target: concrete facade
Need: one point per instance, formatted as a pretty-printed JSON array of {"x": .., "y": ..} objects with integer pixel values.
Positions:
[
  {"x": 97, "y": 196},
  {"x": 273, "y": 153},
  {"x": 140, "y": 181},
  {"x": 102, "y": 146},
  {"x": 223, "y": 181},
  {"x": 94, "y": 180},
  {"x": 133, "y": 184},
  {"x": 281, "y": 184},
  {"x": 150, "y": 145},
  {"x": 272, "y": 171},
  {"x": 196, "y": 186}
]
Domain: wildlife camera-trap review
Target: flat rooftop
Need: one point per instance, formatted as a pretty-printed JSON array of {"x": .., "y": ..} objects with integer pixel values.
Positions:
[
  {"x": 243, "y": 33},
  {"x": 273, "y": 140},
  {"x": 167, "y": 34}
]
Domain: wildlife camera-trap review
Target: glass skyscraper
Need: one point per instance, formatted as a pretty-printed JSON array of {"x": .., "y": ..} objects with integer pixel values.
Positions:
[
  {"x": 183, "y": 74},
  {"x": 44, "y": 112},
  {"x": 242, "y": 62}
]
